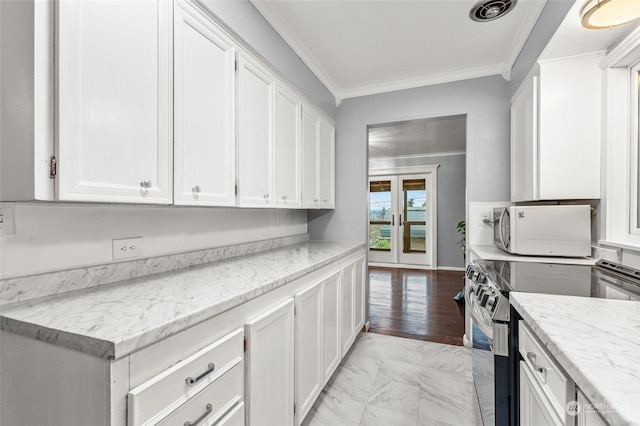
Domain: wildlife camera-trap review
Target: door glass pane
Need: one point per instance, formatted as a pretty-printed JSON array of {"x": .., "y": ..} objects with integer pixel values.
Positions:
[
  {"x": 415, "y": 215},
  {"x": 380, "y": 215}
]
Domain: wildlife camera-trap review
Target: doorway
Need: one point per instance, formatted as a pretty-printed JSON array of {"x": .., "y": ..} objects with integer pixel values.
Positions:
[
  {"x": 417, "y": 197},
  {"x": 402, "y": 215}
]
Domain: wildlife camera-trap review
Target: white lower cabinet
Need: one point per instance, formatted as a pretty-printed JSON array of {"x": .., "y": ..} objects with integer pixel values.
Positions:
[
  {"x": 331, "y": 347},
  {"x": 360, "y": 279},
  {"x": 270, "y": 367},
  {"x": 308, "y": 349},
  {"x": 587, "y": 416},
  {"x": 249, "y": 365},
  {"x": 545, "y": 389},
  {"x": 535, "y": 407},
  {"x": 352, "y": 302}
]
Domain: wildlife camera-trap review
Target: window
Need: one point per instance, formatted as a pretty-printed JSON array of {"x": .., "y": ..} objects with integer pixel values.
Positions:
[
  {"x": 620, "y": 208},
  {"x": 634, "y": 157}
]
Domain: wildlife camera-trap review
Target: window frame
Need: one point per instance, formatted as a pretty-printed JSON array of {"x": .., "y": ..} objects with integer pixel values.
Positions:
[{"x": 619, "y": 204}]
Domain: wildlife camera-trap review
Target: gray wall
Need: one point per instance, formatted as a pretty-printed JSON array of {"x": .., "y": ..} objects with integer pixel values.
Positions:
[
  {"x": 550, "y": 19},
  {"x": 248, "y": 23},
  {"x": 484, "y": 101},
  {"x": 451, "y": 205}
]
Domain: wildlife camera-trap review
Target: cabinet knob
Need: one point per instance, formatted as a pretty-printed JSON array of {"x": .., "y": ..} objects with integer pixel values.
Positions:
[
  {"x": 266, "y": 196},
  {"x": 284, "y": 197},
  {"x": 324, "y": 201},
  {"x": 316, "y": 201},
  {"x": 146, "y": 184},
  {"x": 196, "y": 189}
]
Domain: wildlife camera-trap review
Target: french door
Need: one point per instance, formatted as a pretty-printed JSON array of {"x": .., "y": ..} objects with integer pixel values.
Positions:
[{"x": 401, "y": 219}]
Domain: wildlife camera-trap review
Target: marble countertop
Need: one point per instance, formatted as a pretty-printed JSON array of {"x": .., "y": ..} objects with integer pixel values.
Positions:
[
  {"x": 491, "y": 252},
  {"x": 597, "y": 342},
  {"x": 113, "y": 320}
]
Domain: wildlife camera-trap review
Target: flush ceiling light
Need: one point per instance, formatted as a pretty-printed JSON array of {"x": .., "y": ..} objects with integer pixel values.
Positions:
[
  {"x": 599, "y": 14},
  {"x": 488, "y": 10}
]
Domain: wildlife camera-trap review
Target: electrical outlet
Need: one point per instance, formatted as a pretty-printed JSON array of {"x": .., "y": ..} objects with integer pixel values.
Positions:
[
  {"x": 127, "y": 248},
  {"x": 486, "y": 216}
]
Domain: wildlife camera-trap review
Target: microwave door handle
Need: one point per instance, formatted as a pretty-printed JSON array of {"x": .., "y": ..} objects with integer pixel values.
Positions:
[{"x": 504, "y": 243}]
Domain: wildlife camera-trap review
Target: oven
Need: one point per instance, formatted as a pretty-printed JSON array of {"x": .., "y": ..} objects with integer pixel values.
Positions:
[{"x": 489, "y": 311}]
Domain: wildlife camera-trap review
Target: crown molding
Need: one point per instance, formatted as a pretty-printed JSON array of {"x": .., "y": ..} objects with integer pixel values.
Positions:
[
  {"x": 526, "y": 26},
  {"x": 281, "y": 26},
  {"x": 624, "y": 52},
  {"x": 429, "y": 80}
]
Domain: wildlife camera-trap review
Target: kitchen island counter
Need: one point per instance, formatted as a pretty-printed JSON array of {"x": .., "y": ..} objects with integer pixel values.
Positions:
[{"x": 597, "y": 342}]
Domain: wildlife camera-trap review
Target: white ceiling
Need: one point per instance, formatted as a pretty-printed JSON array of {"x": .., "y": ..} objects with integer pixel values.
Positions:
[
  {"x": 418, "y": 137},
  {"x": 363, "y": 47}
]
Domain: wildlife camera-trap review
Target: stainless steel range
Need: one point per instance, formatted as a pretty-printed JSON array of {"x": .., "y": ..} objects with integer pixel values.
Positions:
[{"x": 494, "y": 336}]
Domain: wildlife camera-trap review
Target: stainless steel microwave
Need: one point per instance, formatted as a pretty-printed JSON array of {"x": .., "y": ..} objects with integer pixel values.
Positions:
[{"x": 543, "y": 230}]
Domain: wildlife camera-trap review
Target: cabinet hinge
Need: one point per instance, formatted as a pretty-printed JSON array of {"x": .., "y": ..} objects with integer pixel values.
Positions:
[
  {"x": 53, "y": 167},
  {"x": 245, "y": 344},
  {"x": 236, "y": 189},
  {"x": 294, "y": 408},
  {"x": 236, "y": 65}
]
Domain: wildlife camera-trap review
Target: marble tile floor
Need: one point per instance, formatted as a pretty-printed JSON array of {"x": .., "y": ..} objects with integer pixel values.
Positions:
[{"x": 394, "y": 381}]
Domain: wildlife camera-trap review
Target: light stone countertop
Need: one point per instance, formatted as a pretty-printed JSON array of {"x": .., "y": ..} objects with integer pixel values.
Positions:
[
  {"x": 597, "y": 342},
  {"x": 111, "y": 321},
  {"x": 491, "y": 252}
]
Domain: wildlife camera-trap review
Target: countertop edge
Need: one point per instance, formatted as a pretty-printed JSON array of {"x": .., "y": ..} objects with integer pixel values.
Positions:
[{"x": 118, "y": 348}]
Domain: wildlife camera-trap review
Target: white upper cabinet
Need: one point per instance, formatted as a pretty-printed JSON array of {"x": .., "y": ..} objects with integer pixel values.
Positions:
[
  {"x": 327, "y": 164},
  {"x": 555, "y": 131},
  {"x": 287, "y": 140},
  {"x": 256, "y": 148},
  {"x": 310, "y": 157},
  {"x": 204, "y": 111},
  {"x": 114, "y": 101}
]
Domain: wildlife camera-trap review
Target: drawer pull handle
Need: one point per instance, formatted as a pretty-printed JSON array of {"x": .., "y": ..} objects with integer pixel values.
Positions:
[
  {"x": 531, "y": 356},
  {"x": 201, "y": 418},
  {"x": 193, "y": 380}
]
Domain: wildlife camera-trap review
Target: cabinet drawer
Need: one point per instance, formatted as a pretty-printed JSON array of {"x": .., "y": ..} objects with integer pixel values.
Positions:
[
  {"x": 157, "y": 397},
  {"x": 213, "y": 402},
  {"x": 559, "y": 388},
  {"x": 235, "y": 417}
]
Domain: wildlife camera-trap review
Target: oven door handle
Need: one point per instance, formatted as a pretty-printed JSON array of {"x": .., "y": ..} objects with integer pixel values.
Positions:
[{"x": 479, "y": 321}]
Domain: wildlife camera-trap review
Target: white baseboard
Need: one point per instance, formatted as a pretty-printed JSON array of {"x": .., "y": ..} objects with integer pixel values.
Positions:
[
  {"x": 401, "y": 265},
  {"x": 421, "y": 267},
  {"x": 465, "y": 341}
]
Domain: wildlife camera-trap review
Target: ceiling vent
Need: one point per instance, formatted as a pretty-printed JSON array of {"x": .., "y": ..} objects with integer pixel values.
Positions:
[{"x": 488, "y": 10}]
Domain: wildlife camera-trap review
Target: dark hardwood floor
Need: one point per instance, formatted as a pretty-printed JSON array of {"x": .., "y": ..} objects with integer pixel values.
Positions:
[{"x": 416, "y": 304}]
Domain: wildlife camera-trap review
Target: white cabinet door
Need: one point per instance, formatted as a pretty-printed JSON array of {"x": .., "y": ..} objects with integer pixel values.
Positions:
[
  {"x": 308, "y": 354},
  {"x": 287, "y": 116},
  {"x": 310, "y": 158},
  {"x": 524, "y": 142},
  {"x": 256, "y": 91},
  {"x": 588, "y": 416},
  {"x": 535, "y": 407},
  {"x": 359, "y": 284},
  {"x": 204, "y": 111},
  {"x": 114, "y": 101},
  {"x": 331, "y": 348},
  {"x": 327, "y": 165},
  {"x": 270, "y": 367},
  {"x": 556, "y": 131},
  {"x": 347, "y": 318}
]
